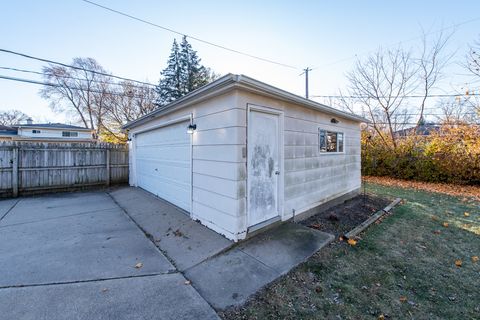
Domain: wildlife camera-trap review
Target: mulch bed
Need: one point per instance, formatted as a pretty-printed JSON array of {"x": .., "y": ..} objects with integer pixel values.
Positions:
[{"x": 342, "y": 218}]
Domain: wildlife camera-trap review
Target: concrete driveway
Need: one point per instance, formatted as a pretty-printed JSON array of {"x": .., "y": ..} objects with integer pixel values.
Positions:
[{"x": 80, "y": 256}]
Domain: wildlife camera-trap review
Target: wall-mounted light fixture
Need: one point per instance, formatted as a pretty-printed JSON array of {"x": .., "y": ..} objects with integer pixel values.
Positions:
[
  {"x": 191, "y": 128},
  {"x": 333, "y": 120}
]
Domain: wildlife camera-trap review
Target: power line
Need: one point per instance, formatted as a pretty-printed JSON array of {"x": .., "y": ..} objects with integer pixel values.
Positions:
[
  {"x": 189, "y": 36},
  {"x": 73, "y": 67},
  {"x": 430, "y": 123},
  {"x": 68, "y": 77},
  {"x": 49, "y": 84},
  {"x": 406, "y": 96}
]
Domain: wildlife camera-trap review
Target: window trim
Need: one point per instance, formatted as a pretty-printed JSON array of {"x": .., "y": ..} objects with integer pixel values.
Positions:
[
  {"x": 68, "y": 134},
  {"x": 326, "y": 132}
]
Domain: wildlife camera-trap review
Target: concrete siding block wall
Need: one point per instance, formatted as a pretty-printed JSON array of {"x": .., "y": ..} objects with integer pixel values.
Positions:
[
  {"x": 219, "y": 169},
  {"x": 311, "y": 177}
]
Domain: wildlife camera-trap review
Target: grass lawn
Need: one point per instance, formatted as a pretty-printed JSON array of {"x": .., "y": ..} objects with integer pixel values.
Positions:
[{"x": 402, "y": 268}]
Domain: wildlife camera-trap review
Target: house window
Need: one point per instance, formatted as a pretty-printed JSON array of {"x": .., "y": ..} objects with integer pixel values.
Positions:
[
  {"x": 329, "y": 141},
  {"x": 69, "y": 134},
  {"x": 36, "y": 131}
]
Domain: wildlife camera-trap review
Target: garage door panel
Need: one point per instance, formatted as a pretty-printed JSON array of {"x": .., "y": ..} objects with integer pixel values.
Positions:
[
  {"x": 178, "y": 153},
  {"x": 163, "y": 163}
]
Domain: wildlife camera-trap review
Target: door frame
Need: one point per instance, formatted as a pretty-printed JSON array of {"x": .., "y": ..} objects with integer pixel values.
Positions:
[
  {"x": 166, "y": 123},
  {"x": 281, "y": 157}
]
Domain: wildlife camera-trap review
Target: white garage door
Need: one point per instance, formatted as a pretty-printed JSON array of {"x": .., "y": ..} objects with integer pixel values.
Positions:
[{"x": 163, "y": 163}]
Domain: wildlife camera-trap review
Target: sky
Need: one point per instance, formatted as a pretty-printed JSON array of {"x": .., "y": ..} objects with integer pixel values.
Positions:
[{"x": 325, "y": 35}]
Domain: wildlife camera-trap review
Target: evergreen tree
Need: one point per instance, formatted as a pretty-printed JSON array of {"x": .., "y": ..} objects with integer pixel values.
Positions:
[
  {"x": 169, "y": 87},
  {"x": 184, "y": 73},
  {"x": 195, "y": 74}
]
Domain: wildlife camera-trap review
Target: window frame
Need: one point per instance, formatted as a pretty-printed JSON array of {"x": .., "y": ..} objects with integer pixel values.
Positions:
[
  {"x": 36, "y": 131},
  {"x": 324, "y": 133},
  {"x": 68, "y": 134}
]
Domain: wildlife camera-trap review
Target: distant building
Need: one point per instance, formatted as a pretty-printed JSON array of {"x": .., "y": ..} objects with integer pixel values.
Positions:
[
  {"x": 46, "y": 132},
  {"x": 421, "y": 130},
  {"x": 7, "y": 133}
]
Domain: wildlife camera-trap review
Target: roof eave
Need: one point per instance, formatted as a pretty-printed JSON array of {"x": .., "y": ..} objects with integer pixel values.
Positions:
[{"x": 232, "y": 81}]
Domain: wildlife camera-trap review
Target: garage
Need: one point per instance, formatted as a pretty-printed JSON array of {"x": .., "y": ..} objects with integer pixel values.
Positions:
[
  {"x": 239, "y": 155},
  {"x": 163, "y": 163}
]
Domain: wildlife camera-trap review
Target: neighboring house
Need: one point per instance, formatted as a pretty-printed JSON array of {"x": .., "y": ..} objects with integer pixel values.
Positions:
[
  {"x": 46, "y": 132},
  {"x": 421, "y": 130},
  {"x": 7, "y": 133},
  {"x": 253, "y": 155}
]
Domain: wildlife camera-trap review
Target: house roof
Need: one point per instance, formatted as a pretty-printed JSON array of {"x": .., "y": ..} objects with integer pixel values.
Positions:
[
  {"x": 233, "y": 81},
  {"x": 421, "y": 130},
  {"x": 7, "y": 130},
  {"x": 52, "y": 126}
]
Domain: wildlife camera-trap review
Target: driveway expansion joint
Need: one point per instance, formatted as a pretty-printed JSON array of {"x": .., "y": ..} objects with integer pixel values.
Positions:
[
  {"x": 87, "y": 281},
  {"x": 9, "y": 210},
  {"x": 145, "y": 233}
]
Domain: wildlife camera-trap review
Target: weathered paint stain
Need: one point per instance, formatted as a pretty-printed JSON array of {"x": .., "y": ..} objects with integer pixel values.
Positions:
[{"x": 261, "y": 189}]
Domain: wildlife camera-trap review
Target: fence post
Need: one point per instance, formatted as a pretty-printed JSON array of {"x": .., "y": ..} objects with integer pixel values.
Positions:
[
  {"x": 15, "y": 172},
  {"x": 108, "y": 166}
]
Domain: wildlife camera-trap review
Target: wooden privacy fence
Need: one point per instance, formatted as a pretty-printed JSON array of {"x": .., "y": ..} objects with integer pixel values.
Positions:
[{"x": 27, "y": 167}]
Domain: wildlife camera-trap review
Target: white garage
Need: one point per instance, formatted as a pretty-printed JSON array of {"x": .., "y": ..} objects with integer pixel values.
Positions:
[
  {"x": 239, "y": 154},
  {"x": 163, "y": 162}
]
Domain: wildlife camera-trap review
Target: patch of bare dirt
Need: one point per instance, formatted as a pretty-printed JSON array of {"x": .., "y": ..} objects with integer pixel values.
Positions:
[{"x": 342, "y": 218}]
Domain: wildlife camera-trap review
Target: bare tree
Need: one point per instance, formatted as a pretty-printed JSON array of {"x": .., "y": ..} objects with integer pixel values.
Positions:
[
  {"x": 431, "y": 63},
  {"x": 12, "y": 117},
  {"x": 129, "y": 103},
  {"x": 78, "y": 91},
  {"x": 473, "y": 66},
  {"x": 380, "y": 84}
]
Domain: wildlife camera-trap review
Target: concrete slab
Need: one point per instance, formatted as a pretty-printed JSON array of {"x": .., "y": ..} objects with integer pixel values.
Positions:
[
  {"x": 230, "y": 278},
  {"x": 95, "y": 245},
  {"x": 152, "y": 297},
  {"x": 185, "y": 241},
  {"x": 285, "y": 246},
  {"x": 58, "y": 205}
]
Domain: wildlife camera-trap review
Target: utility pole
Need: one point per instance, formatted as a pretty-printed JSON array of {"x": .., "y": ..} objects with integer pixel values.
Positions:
[{"x": 306, "y": 70}]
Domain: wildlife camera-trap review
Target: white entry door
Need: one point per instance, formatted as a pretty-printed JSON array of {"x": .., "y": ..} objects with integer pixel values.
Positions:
[
  {"x": 263, "y": 166},
  {"x": 163, "y": 163}
]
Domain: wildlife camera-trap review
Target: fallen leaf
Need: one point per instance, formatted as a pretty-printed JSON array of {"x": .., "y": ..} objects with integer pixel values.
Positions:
[
  {"x": 188, "y": 282},
  {"x": 458, "y": 263},
  {"x": 403, "y": 299},
  {"x": 381, "y": 317},
  {"x": 445, "y": 224},
  {"x": 352, "y": 242},
  {"x": 139, "y": 265},
  {"x": 437, "y": 232},
  {"x": 475, "y": 259},
  {"x": 466, "y": 214},
  {"x": 340, "y": 238},
  {"x": 315, "y": 225}
]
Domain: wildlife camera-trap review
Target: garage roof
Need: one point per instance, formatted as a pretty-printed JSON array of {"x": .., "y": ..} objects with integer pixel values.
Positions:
[{"x": 234, "y": 81}]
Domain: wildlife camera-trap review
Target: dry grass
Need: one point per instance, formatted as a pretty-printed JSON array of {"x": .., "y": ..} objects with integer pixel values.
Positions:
[{"x": 403, "y": 268}]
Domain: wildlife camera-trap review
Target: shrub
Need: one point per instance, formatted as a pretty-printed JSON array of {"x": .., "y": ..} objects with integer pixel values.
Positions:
[{"x": 450, "y": 155}]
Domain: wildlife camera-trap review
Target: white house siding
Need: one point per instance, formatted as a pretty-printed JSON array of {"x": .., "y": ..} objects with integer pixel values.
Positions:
[
  {"x": 218, "y": 176},
  {"x": 310, "y": 177},
  {"x": 53, "y": 133}
]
